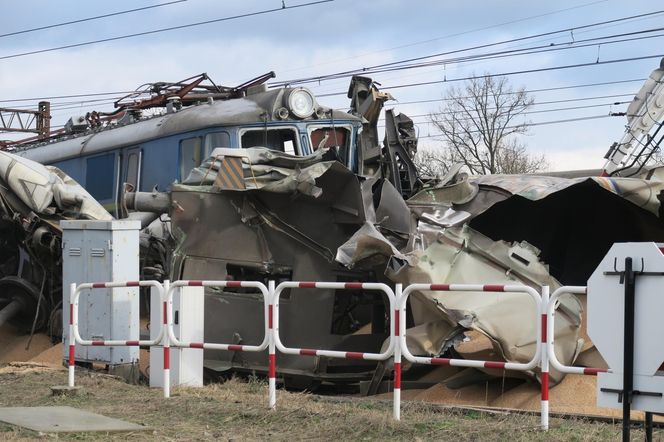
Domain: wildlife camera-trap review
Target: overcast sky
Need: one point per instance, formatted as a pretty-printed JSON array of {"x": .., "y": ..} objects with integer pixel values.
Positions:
[{"x": 337, "y": 36}]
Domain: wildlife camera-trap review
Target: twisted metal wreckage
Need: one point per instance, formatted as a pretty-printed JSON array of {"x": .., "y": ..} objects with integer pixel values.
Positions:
[{"x": 259, "y": 214}]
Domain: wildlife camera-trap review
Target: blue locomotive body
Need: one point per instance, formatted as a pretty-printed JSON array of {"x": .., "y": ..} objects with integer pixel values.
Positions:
[{"x": 159, "y": 150}]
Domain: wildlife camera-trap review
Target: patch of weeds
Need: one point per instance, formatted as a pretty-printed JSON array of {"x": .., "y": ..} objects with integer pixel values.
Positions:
[
  {"x": 256, "y": 384},
  {"x": 369, "y": 405},
  {"x": 4, "y": 428},
  {"x": 433, "y": 426},
  {"x": 472, "y": 414}
]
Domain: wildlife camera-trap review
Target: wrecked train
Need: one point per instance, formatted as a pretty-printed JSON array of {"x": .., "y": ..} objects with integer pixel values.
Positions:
[
  {"x": 144, "y": 154},
  {"x": 313, "y": 195},
  {"x": 150, "y": 152}
]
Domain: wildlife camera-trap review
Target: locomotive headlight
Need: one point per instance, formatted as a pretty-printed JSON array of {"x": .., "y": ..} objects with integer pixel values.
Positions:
[{"x": 301, "y": 102}]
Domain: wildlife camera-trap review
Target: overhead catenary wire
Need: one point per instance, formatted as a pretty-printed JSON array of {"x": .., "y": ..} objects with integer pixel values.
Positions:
[
  {"x": 55, "y": 97},
  {"x": 551, "y": 47},
  {"x": 118, "y": 94},
  {"x": 525, "y": 112},
  {"x": 505, "y": 74},
  {"x": 97, "y": 17},
  {"x": 482, "y": 46},
  {"x": 549, "y": 89},
  {"x": 170, "y": 28},
  {"x": 450, "y": 67},
  {"x": 426, "y": 119},
  {"x": 426, "y": 70},
  {"x": 541, "y": 123},
  {"x": 457, "y": 34}
]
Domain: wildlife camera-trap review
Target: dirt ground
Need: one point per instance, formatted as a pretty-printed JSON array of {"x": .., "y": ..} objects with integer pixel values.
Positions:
[{"x": 237, "y": 410}]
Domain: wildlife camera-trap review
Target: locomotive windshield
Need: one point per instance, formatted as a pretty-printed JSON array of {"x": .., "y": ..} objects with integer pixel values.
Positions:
[
  {"x": 283, "y": 139},
  {"x": 337, "y": 137}
]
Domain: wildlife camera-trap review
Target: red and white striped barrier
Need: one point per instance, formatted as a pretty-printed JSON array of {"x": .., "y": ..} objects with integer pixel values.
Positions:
[
  {"x": 550, "y": 312},
  {"x": 374, "y": 286},
  {"x": 548, "y": 337},
  {"x": 544, "y": 307},
  {"x": 402, "y": 348},
  {"x": 76, "y": 339},
  {"x": 267, "y": 340}
]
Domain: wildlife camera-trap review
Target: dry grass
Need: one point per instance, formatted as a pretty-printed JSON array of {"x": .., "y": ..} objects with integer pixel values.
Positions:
[{"x": 236, "y": 410}]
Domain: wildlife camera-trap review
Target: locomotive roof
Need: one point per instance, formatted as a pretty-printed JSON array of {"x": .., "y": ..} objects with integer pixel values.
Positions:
[{"x": 255, "y": 108}]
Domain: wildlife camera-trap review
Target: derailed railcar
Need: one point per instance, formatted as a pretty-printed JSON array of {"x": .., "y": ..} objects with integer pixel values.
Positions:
[
  {"x": 156, "y": 151},
  {"x": 255, "y": 235}
]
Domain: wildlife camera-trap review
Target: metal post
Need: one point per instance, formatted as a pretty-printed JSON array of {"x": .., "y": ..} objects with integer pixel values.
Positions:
[
  {"x": 73, "y": 311},
  {"x": 272, "y": 360},
  {"x": 544, "y": 364},
  {"x": 397, "y": 353},
  {"x": 648, "y": 426},
  {"x": 166, "y": 312},
  {"x": 628, "y": 348}
]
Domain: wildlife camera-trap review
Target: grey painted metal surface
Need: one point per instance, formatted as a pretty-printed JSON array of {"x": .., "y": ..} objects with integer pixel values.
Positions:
[
  {"x": 63, "y": 420},
  {"x": 253, "y": 109},
  {"x": 101, "y": 251}
]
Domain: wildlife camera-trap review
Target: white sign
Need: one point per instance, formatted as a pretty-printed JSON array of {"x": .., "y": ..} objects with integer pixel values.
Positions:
[{"x": 606, "y": 305}]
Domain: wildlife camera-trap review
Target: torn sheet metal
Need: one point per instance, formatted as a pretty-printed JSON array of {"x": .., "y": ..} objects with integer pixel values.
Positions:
[
  {"x": 47, "y": 190},
  {"x": 462, "y": 190},
  {"x": 287, "y": 223},
  {"x": 310, "y": 218},
  {"x": 260, "y": 166},
  {"x": 369, "y": 247},
  {"x": 570, "y": 223},
  {"x": 33, "y": 199},
  {"x": 509, "y": 320},
  {"x": 573, "y": 222},
  {"x": 296, "y": 216}
]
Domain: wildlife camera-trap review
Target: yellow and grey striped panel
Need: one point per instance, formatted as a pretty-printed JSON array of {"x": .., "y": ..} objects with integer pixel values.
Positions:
[{"x": 230, "y": 175}]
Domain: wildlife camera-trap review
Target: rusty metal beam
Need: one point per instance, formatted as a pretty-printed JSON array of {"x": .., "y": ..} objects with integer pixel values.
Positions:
[{"x": 27, "y": 121}]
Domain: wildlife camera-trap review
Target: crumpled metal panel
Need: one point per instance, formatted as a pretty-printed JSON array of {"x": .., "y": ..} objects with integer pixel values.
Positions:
[
  {"x": 462, "y": 255},
  {"x": 367, "y": 246},
  {"x": 509, "y": 320},
  {"x": 462, "y": 190},
  {"x": 45, "y": 189}
]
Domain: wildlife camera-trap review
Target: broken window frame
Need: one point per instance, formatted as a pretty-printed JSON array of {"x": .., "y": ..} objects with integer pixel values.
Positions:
[
  {"x": 297, "y": 148},
  {"x": 348, "y": 158}
]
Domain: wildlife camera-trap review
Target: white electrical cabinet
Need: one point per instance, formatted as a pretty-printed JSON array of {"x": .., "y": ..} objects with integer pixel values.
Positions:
[
  {"x": 103, "y": 251},
  {"x": 186, "y": 364}
]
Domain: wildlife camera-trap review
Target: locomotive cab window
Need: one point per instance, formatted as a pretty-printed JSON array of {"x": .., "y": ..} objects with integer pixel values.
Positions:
[
  {"x": 133, "y": 160},
  {"x": 282, "y": 139},
  {"x": 100, "y": 176},
  {"x": 216, "y": 139},
  {"x": 191, "y": 155},
  {"x": 337, "y": 137}
]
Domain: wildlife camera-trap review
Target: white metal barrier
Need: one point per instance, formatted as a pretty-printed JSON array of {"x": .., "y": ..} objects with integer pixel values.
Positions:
[
  {"x": 402, "y": 296},
  {"x": 544, "y": 307},
  {"x": 75, "y": 337},
  {"x": 268, "y": 341},
  {"x": 374, "y": 286},
  {"x": 550, "y": 312}
]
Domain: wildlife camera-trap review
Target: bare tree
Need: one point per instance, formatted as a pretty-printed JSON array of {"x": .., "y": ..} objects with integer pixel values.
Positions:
[
  {"x": 430, "y": 163},
  {"x": 479, "y": 126}
]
